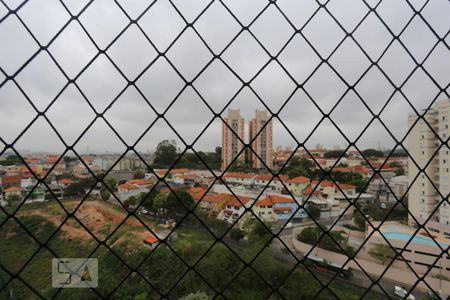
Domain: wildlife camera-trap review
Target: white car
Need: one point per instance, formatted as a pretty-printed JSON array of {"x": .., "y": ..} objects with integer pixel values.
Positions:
[{"x": 402, "y": 293}]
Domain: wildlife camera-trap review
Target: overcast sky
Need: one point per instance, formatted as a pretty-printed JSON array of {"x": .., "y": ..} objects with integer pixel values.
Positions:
[{"x": 41, "y": 80}]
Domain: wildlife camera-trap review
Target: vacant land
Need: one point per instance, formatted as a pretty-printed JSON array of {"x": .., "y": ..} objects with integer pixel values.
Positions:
[{"x": 216, "y": 266}]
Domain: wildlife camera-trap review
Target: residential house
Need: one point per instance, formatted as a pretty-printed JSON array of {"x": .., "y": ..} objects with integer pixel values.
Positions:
[
  {"x": 234, "y": 207},
  {"x": 64, "y": 183},
  {"x": 28, "y": 182},
  {"x": 214, "y": 203},
  {"x": 186, "y": 179},
  {"x": 240, "y": 178},
  {"x": 263, "y": 209},
  {"x": 197, "y": 193},
  {"x": 125, "y": 191},
  {"x": 297, "y": 185},
  {"x": 311, "y": 194},
  {"x": 271, "y": 182},
  {"x": 9, "y": 181},
  {"x": 284, "y": 206},
  {"x": 12, "y": 191},
  {"x": 329, "y": 208}
]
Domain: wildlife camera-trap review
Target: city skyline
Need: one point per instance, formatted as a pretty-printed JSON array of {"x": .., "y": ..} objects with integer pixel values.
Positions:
[{"x": 130, "y": 115}]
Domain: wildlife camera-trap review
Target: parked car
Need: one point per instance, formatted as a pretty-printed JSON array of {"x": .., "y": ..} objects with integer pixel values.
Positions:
[{"x": 401, "y": 292}]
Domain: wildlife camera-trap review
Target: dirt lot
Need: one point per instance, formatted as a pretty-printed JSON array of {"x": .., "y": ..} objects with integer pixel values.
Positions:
[{"x": 100, "y": 217}]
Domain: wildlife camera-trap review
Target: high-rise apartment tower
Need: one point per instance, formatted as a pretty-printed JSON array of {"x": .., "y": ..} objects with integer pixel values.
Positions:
[
  {"x": 261, "y": 128},
  {"x": 423, "y": 145},
  {"x": 232, "y": 131}
]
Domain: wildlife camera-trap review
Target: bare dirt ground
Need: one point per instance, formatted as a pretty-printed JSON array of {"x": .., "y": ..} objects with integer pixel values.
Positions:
[{"x": 101, "y": 218}]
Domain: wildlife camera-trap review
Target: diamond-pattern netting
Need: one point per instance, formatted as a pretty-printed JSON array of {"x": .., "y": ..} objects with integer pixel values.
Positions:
[{"x": 183, "y": 66}]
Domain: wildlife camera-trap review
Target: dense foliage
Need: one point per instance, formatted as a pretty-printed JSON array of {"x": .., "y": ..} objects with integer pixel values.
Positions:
[
  {"x": 335, "y": 241},
  {"x": 161, "y": 267},
  {"x": 167, "y": 154}
]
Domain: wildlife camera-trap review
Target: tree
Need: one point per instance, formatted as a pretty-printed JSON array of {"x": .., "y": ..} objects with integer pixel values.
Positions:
[
  {"x": 147, "y": 200},
  {"x": 259, "y": 232},
  {"x": 165, "y": 155},
  {"x": 301, "y": 167},
  {"x": 178, "y": 202},
  {"x": 131, "y": 201},
  {"x": 359, "y": 221},
  {"x": 314, "y": 211},
  {"x": 105, "y": 192},
  {"x": 160, "y": 202},
  {"x": 382, "y": 252},
  {"x": 68, "y": 159},
  {"x": 372, "y": 153},
  {"x": 335, "y": 154},
  {"x": 74, "y": 190},
  {"x": 400, "y": 171},
  {"x": 139, "y": 174},
  {"x": 11, "y": 160},
  {"x": 334, "y": 241},
  {"x": 236, "y": 234},
  {"x": 359, "y": 183}
]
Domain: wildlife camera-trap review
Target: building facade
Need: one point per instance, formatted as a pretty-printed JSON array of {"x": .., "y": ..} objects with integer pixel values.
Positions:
[
  {"x": 261, "y": 133},
  {"x": 232, "y": 137},
  {"x": 424, "y": 141}
]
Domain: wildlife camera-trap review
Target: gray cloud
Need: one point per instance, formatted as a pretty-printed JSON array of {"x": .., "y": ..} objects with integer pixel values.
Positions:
[{"x": 130, "y": 115}]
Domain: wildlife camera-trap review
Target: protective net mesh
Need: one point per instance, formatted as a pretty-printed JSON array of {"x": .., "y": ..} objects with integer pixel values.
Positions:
[{"x": 163, "y": 44}]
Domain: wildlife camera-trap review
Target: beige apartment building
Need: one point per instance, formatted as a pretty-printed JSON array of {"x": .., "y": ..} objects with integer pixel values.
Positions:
[
  {"x": 232, "y": 137},
  {"x": 263, "y": 143},
  {"x": 423, "y": 144}
]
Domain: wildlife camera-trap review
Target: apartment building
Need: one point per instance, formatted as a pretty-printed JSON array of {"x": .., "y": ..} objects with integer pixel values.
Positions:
[
  {"x": 423, "y": 144},
  {"x": 232, "y": 137},
  {"x": 262, "y": 137}
]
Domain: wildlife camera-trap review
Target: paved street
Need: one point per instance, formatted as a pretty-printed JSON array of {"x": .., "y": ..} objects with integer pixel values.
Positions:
[{"x": 359, "y": 278}]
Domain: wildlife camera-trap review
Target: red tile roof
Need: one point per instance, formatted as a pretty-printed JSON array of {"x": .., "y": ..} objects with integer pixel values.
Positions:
[
  {"x": 267, "y": 177},
  {"x": 128, "y": 187},
  {"x": 234, "y": 202},
  {"x": 323, "y": 183},
  {"x": 140, "y": 181},
  {"x": 299, "y": 180},
  {"x": 150, "y": 239},
  {"x": 239, "y": 175},
  {"x": 197, "y": 193},
  {"x": 264, "y": 202},
  {"x": 66, "y": 181},
  {"x": 309, "y": 191},
  {"x": 345, "y": 186},
  {"x": 13, "y": 189},
  {"x": 11, "y": 179},
  {"x": 280, "y": 199}
]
